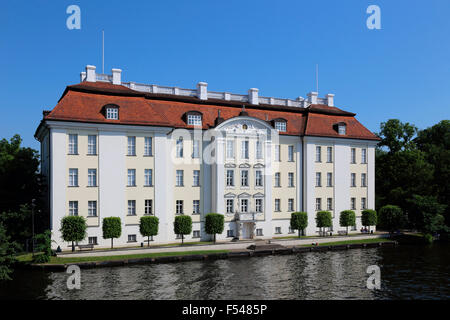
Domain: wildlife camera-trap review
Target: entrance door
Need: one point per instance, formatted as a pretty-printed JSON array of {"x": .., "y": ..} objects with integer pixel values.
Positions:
[{"x": 246, "y": 230}]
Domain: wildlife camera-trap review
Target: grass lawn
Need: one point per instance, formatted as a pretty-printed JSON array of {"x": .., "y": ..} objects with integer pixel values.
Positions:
[
  {"x": 58, "y": 260},
  {"x": 350, "y": 242}
]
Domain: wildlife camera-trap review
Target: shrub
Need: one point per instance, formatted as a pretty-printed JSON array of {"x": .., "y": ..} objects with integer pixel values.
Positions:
[
  {"x": 44, "y": 247},
  {"x": 299, "y": 221},
  {"x": 112, "y": 228},
  {"x": 182, "y": 225},
  {"x": 148, "y": 227},
  {"x": 214, "y": 223},
  {"x": 323, "y": 219},
  {"x": 73, "y": 228},
  {"x": 369, "y": 218},
  {"x": 347, "y": 218},
  {"x": 428, "y": 238},
  {"x": 391, "y": 218}
]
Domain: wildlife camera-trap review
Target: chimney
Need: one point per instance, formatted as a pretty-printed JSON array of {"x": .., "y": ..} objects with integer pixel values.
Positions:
[
  {"x": 82, "y": 76},
  {"x": 330, "y": 100},
  {"x": 253, "y": 96},
  {"x": 312, "y": 97},
  {"x": 90, "y": 73},
  {"x": 202, "y": 90},
  {"x": 116, "y": 76}
]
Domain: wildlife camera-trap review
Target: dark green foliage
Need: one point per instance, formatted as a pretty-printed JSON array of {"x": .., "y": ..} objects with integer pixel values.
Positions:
[
  {"x": 369, "y": 218},
  {"x": 214, "y": 223},
  {"x": 428, "y": 238},
  {"x": 112, "y": 228},
  {"x": 347, "y": 219},
  {"x": 43, "y": 247},
  {"x": 397, "y": 136},
  {"x": 299, "y": 221},
  {"x": 7, "y": 251},
  {"x": 323, "y": 219},
  {"x": 391, "y": 218},
  {"x": 182, "y": 225},
  {"x": 425, "y": 214},
  {"x": 148, "y": 227},
  {"x": 73, "y": 228}
]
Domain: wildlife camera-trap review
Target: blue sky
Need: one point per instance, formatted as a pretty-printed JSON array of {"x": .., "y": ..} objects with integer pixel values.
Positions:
[{"x": 401, "y": 71}]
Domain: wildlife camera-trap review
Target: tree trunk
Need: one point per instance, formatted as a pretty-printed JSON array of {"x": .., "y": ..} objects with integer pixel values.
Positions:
[
  {"x": 182, "y": 239},
  {"x": 148, "y": 243},
  {"x": 299, "y": 233},
  {"x": 347, "y": 230},
  {"x": 73, "y": 247},
  {"x": 214, "y": 238},
  {"x": 111, "y": 243}
]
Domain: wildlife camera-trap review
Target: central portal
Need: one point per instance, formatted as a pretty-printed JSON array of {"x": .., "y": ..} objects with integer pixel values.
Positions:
[{"x": 247, "y": 230}]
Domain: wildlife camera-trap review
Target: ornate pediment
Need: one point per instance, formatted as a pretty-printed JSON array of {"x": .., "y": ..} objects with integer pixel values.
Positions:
[
  {"x": 230, "y": 165},
  {"x": 258, "y": 165},
  {"x": 230, "y": 195},
  {"x": 258, "y": 195},
  {"x": 244, "y": 195},
  {"x": 244, "y": 165}
]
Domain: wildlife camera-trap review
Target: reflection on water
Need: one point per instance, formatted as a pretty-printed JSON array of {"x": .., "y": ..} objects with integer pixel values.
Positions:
[{"x": 406, "y": 272}]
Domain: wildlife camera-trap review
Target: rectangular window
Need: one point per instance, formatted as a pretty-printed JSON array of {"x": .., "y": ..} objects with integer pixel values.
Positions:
[
  {"x": 353, "y": 156},
  {"x": 363, "y": 203},
  {"x": 244, "y": 205},
  {"x": 196, "y": 234},
  {"x": 179, "y": 148},
  {"x": 277, "y": 205},
  {"x": 318, "y": 154},
  {"x": 363, "y": 180},
  {"x": 92, "y": 208},
  {"x": 179, "y": 206},
  {"x": 277, "y": 179},
  {"x": 353, "y": 203},
  {"x": 196, "y": 149},
  {"x": 230, "y": 233},
  {"x": 230, "y": 205},
  {"x": 363, "y": 155},
  {"x": 244, "y": 149},
  {"x": 259, "y": 205},
  {"x": 194, "y": 120},
  {"x": 277, "y": 152},
  {"x": 196, "y": 206},
  {"x": 353, "y": 180},
  {"x": 131, "y": 238},
  {"x": 180, "y": 178},
  {"x": 196, "y": 178},
  {"x": 73, "y": 177},
  {"x": 148, "y": 177},
  {"x": 290, "y": 204},
  {"x": 329, "y": 204},
  {"x": 131, "y": 146},
  {"x": 329, "y": 154},
  {"x": 131, "y": 207},
  {"x": 148, "y": 146},
  {"x": 112, "y": 113},
  {"x": 244, "y": 178},
  {"x": 291, "y": 153},
  {"x": 329, "y": 179},
  {"x": 131, "y": 178},
  {"x": 92, "y": 240},
  {"x": 92, "y": 177},
  {"x": 259, "y": 232},
  {"x": 73, "y": 144},
  {"x": 92, "y": 144},
  {"x": 258, "y": 178},
  {"x": 280, "y": 126},
  {"x": 318, "y": 204},
  {"x": 277, "y": 230},
  {"x": 148, "y": 207},
  {"x": 318, "y": 179},
  {"x": 230, "y": 178},
  {"x": 259, "y": 149},
  {"x": 73, "y": 208},
  {"x": 230, "y": 149},
  {"x": 291, "y": 179}
]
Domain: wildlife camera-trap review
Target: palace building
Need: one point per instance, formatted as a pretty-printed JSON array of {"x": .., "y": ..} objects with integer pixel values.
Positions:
[{"x": 122, "y": 149}]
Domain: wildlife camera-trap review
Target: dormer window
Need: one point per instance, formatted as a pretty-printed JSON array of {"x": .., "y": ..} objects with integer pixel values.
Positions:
[
  {"x": 193, "y": 118},
  {"x": 112, "y": 113},
  {"x": 342, "y": 128},
  {"x": 280, "y": 125}
]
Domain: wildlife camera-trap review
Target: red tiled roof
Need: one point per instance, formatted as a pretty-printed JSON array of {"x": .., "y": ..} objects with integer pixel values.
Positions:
[{"x": 84, "y": 102}]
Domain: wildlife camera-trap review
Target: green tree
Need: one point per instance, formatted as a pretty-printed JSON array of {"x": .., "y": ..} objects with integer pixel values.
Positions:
[
  {"x": 44, "y": 247},
  {"x": 7, "y": 254},
  {"x": 299, "y": 221},
  {"x": 397, "y": 136},
  {"x": 369, "y": 218},
  {"x": 214, "y": 223},
  {"x": 148, "y": 227},
  {"x": 112, "y": 228},
  {"x": 426, "y": 214},
  {"x": 182, "y": 225},
  {"x": 347, "y": 218},
  {"x": 73, "y": 228},
  {"x": 391, "y": 218},
  {"x": 323, "y": 220}
]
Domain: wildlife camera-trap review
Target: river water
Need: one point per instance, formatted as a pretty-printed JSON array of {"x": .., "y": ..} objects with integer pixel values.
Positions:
[{"x": 407, "y": 272}]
